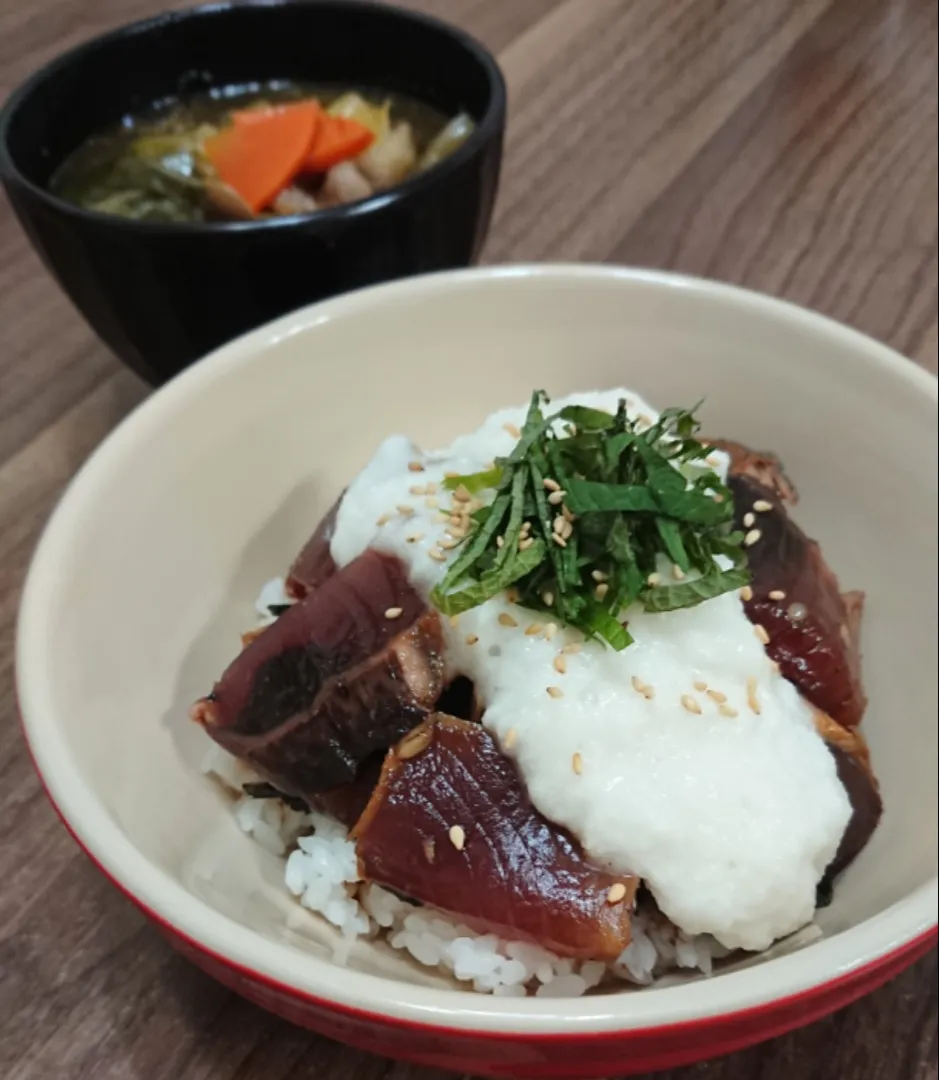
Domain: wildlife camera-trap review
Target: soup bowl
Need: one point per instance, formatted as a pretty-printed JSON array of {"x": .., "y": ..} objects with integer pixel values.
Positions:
[
  {"x": 149, "y": 567},
  {"x": 162, "y": 295}
]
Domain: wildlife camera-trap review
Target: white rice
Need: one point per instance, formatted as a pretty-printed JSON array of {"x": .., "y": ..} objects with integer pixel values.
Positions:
[{"x": 321, "y": 871}]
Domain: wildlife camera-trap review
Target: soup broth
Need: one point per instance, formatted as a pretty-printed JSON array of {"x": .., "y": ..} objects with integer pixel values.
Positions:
[{"x": 263, "y": 150}]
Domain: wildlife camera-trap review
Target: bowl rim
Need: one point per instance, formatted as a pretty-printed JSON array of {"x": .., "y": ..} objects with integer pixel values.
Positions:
[
  {"x": 488, "y": 126},
  {"x": 902, "y": 928}
]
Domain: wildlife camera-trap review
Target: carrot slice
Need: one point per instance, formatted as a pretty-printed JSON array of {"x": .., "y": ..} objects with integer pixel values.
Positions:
[
  {"x": 263, "y": 149},
  {"x": 337, "y": 139}
]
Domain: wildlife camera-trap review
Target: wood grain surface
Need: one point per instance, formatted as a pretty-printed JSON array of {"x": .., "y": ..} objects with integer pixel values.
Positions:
[{"x": 789, "y": 145}]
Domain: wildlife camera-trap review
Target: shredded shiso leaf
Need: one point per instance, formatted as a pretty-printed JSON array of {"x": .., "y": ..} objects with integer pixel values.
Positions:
[{"x": 581, "y": 514}]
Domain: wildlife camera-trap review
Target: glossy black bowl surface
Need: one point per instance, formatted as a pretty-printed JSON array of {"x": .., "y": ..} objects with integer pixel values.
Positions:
[{"x": 162, "y": 295}]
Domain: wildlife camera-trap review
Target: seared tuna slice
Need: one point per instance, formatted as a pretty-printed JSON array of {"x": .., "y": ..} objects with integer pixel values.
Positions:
[
  {"x": 340, "y": 675},
  {"x": 451, "y": 825}
]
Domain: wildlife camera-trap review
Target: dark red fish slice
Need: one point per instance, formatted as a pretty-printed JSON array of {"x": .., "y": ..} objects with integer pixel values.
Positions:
[
  {"x": 854, "y": 771},
  {"x": 340, "y": 675},
  {"x": 814, "y": 630},
  {"x": 759, "y": 465},
  {"x": 347, "y": 802},
  {"x": 795, "y": 598},
  {"x": 314, "y": 564},
  {"x": 451, "y": 825}
]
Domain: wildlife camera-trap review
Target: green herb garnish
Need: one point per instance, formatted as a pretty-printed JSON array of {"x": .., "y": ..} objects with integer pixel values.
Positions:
[{"x": 583, "y": 511}]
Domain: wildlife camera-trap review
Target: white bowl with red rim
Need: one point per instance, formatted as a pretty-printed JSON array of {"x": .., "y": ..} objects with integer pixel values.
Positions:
[{"x": 149, "y": 567}]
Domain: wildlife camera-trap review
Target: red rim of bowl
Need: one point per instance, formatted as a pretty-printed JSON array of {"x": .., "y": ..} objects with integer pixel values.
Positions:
[{"x": 900, "y": 957}]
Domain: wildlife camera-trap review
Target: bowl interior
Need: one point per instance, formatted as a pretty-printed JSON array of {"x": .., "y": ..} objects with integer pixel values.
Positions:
[
  {"x": 150, "y": 568},
  {"x": 326, "y": 41}
]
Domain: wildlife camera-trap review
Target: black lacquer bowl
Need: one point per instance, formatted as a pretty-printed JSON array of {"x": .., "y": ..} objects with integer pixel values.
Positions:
[{"x": 162, "y": 295}]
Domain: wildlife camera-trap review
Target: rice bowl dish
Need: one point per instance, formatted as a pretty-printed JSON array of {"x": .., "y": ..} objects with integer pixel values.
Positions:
[{"x": 567, "y": 703}]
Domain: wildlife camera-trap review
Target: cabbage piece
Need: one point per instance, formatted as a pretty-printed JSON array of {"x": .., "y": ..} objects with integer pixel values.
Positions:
[
  {"x": 451, "y": 138},
  {"x": 352, "y": 106}
]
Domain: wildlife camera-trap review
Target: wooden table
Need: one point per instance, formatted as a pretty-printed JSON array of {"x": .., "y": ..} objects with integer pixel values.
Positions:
[{"x": 786, "y": 144}]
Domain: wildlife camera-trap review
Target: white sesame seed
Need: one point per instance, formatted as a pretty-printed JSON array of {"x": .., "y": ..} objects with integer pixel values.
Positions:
[
  {"x": 601, "y": 590},
  {"x": 638, "y": 685},
  {"x": 558, "y": 524},
  {"x": 417, "y": 489},
  {"x": 431, "y": 487},
  {"x": 455, "y": 620},
  {"x": 777, "y": 594},
  {"x": 598, "y": 575},
  {"x": 556, "y": 497},
  {"x": 525, "y": 543},
  {"x": 512, "y": 430},
  {"x": 512, "y": 595},
  {"x": 471, "y": 639},
  {"x": 727, "y": 710},
  {"x": 451, "y": 475},
  {"x": 550, "y": 630},
  {"x": 690, "y": 704},
  {"x": 431, "y": 502},
  {"x": 383, "y": 520},
  {"x": 461, "y": 494},
  {"x": 567, "y": 529},
  {"x": 551, "y": 485},
  {"x": 448, "y": 543},
  {"x": 533, "y": 628},
  {"x": 394, "y": 612},
  {"x": 559, "y": 540},
  {"x": 761, "y": 633},
  {"x": 761, "y": 506},
  {"x": 749, "y": 519},
  {"x": 505, "y": 619},
  {"x": 653, "y": 579},
  {"x": 415, "y": 466},
  {"x": 547, "y": 598},
  {"x": 500, "y": 541},
  {"x": 716, "y": 695},
  {"x": 457, "y": 837},
  {"x": 746, "y": 593},
  {"x": 751, "y": 538},
  {"x": 415, "y": 743},
  {"x": 437, "y": 555},
  {"x": 845, "y": 634},
  {"x": 560, "y": 665},
  {"x": 565, "y": 510},
  {"x": 677, "y": 573},
  {"x": 577, "y": 764},
  {"x": 511, "y": 737},
  {"x": 555, "y": 692},
  {"x": 572, "y": 648},
  {"x": 404, "y": 510},
  {"x": 413, "y": 538},
  {"x": 698, "y": 684},
  {"x": 617, "y": 893},
  {"x": 752, "y": 700}
]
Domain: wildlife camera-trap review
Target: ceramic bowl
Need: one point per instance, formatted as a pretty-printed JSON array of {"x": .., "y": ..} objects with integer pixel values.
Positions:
[
  {"x": 162, "y": 295},
  {"x": 149, "y": 568}
]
